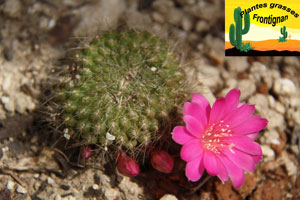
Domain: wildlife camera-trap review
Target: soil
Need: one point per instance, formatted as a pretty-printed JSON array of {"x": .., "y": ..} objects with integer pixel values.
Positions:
[{"x": 36, "y": 38}]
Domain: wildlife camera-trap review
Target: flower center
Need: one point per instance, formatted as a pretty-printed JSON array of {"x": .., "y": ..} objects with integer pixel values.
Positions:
[{"x": 215, "y": 135}]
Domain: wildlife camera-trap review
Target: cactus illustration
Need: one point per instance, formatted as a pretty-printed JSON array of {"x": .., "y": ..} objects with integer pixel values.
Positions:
[
  {"x": 236, "y": 32},
  {"x": 284, "y": 33},
  {"x": 125, "y": 86}
]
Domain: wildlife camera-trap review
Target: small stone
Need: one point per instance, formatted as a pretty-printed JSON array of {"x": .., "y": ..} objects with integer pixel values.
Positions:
[
  {"x": 295, "y": 149},
  {"x": 64, "y": 187},
  {"x": 187, "y": 24},
  {"x": 268, "y": 153},
  {"x": 290, "y": 166},
  {"x": 208, "y": 75},
  {"x": 276, "y": 120},
  {"x": 158, "y": 17},
  {"x": 260, "y": 101},
  {"x": 36, "y": 175},
  {"x": 21, "y": 190},
  {"x": 270, "y": 137},
  {"x": 95, "y": 186},
  {"x": 247, "y": 87},
  {"x": 279, "y": 107},
  {"x": 36, "y": 185},
  {"x": 237, "y": 64},
  {"x": 202, "y": 26},
  {"x": 12, "y": 8},
  {"x": 291, "y": 60},
  {"x": 111, "y": 193},
  {"x": 9, "y": 104},
  {"x": 284, "y": 86},
  {"x": 10, "y": 185},
  {"x": 57, "y": 197},
  {"x": 50, "y": 181},
  {"x": 168, "y": 197}
]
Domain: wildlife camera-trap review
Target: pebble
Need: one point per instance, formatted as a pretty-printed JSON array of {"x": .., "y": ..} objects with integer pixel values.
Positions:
[
  {"x": 50, "y": 181},
  {"x": 267, "y": 152},
  {"x": 279, "y": 107},
  {"x": 208, "y": 75},
  {"x": 168, "y": 197},
  {"x": 187, "y": 24},
  {"x": 247, "y": 87},
  {"x": 284, "y": 86},
  {"x": 10, "y": 185},
  {"x": 260, "y": 101},
  {"x": 95, "y": 186},
  {"x": 276, "y": 120},
  {"x": 21, "y": 190},
  {"x": 12, "y": 8},
  {"x": 111, "y": 193},
  {"x": 9, "y": 105},
  {"x": 237, "y": 64},
  {"x": 202, "y": 26},
  {"x": 270, "y": 136},
  {"x": 57, "y": 197}
]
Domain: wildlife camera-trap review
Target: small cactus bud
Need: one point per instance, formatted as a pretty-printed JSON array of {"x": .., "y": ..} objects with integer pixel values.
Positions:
[
  {"x": 127, "y": 166},
  {"x": 86, "y": 152},
  {"x": 162, "y": 161}
]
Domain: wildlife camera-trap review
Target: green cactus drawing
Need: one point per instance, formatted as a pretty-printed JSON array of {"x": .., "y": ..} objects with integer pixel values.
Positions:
[
  {"x": 236, "y": 32},
  {"x": 125, "y": 86},
  {"x": 284, "y": 33}
]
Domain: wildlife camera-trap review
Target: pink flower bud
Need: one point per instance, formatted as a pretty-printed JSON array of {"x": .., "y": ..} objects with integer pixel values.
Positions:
[
  {"x": 86, "y": 152},
  {"x": 162, "y": 161},
  {"x": 127, "y": 166}
]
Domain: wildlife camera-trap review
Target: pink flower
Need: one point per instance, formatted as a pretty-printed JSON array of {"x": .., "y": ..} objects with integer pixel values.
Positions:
[
  {"x": 127, "y": 166},
  {"x": 162, "y": 161},
  {"x": 86, "y": 152},
  {"x": 219, "y": 139}
]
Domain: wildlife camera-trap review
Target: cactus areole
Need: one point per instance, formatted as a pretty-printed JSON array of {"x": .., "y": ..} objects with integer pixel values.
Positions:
[
  {"x": 126, "y": 84},
  {"x": 236, "y": 32}
]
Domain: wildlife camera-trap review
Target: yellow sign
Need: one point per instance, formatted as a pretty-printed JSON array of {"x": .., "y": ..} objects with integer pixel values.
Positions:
[{"x": 262, "y": 27}]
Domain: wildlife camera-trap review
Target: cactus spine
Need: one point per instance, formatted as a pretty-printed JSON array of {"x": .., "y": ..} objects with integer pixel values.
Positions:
[
  {"x": 236, "y": 32},
  {"x": 126, "y": 85},
  {"x": 284, "y": 33}
]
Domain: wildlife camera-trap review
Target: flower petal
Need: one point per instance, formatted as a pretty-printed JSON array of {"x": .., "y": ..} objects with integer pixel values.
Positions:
[
  {"x": 194, "y": 169},
  {"x": 217, "y": 110},
  {"x": 256, "y": 159},
  {"x": 252, "y": 136},
  {"x": 181, "y": 135},
  {"x": 232, "y": 99},
  {"x": 191, "y": 150},
  {"x": 246, "y": 145},
  {"x": 222, "y": 172},
  {"x": 241, "y": 159},
  {"x": 253, "y": 124},
  {"x": 195, "y": 110},
  {"x": 210, "y": 163},
  {"x": 236, "y": 174},
  {"x": 193, "y": 125},
  {"x": 202, "y": 102},
  {"x": 240, "y": 115}
]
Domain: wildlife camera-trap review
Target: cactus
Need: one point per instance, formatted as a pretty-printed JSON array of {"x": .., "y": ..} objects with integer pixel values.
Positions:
[
  {"x": 284, "y": 33},
  {"x": 125, "y": 86},
  {"x": 235, "y": 33}
]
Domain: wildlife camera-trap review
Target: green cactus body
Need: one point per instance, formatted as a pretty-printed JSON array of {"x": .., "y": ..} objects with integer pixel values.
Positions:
[
  {"x": 283, "y": 33},
  {"x": 126, "y": 83},
  {"x": 236, "y": 32}
]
